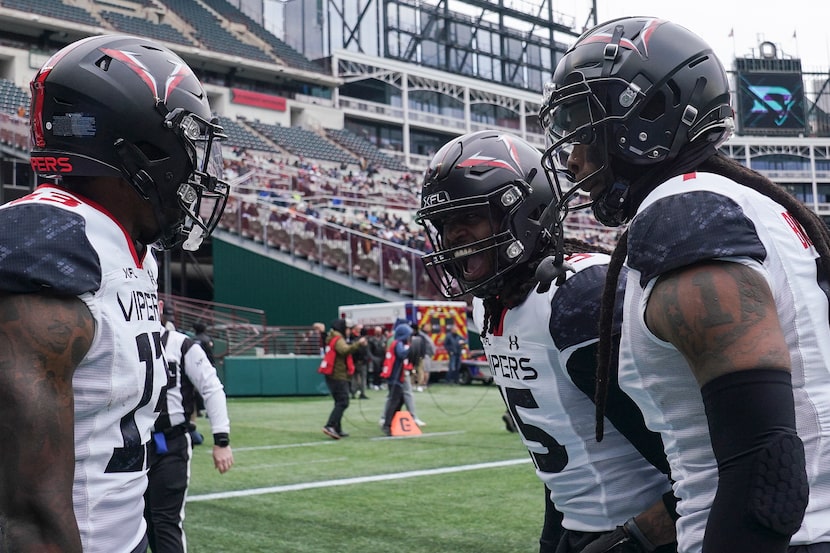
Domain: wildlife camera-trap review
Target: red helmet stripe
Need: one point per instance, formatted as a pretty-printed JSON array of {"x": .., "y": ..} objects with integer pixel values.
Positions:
[
  {"x": 643, "y": 40},
  {"x": 36, "y": 87},
  {"x": 138, "y": 68},
  {"x": 180, "y": 72},
  {"x": 481, "y": 161}
]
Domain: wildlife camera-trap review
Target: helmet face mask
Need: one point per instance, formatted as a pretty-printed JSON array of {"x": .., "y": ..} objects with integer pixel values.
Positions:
[
  {"x": 573, "y": 116},
  {"x": 490, "y": 184},
  {"x": 202, "y": 195},
  {"x": 639, "y": 91},
  {"x": 457, "y": 268},
  {"x": 126, "y": 107}
]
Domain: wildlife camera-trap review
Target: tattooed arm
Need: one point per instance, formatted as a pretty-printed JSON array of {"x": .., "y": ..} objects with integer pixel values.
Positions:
[
  {"x": 722, "y": 317},
  {"x": 42, "y": 341}
]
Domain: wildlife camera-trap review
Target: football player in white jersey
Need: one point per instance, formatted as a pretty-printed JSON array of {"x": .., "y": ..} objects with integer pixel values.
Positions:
[
  {"x": 726, "y": 338},
  {"x": 484, "y": 204},
  {"x": 122, "y": 129}
]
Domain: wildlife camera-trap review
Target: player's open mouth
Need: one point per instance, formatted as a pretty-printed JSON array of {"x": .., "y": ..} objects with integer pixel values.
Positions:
[{"x": 473, "y": 265}]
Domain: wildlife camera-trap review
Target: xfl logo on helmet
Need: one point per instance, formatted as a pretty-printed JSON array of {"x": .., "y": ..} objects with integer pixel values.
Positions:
[{"x": 437, "y": 198}]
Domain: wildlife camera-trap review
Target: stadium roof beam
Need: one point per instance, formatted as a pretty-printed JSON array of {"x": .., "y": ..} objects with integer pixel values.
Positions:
[{"x": 535, "y": 20}]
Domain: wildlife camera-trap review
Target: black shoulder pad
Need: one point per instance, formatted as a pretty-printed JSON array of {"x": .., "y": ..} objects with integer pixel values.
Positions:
[
  {"x": 575, "y": 307},
  {"x": 687, "y": 228},
  {"x": 43, "y": 247}
]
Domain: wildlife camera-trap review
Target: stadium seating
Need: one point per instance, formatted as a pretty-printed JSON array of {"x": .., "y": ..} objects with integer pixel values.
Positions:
[
  {"x": 53, "y": 8},
  {"x": 282, "y": 50},
  {"x": 364, "y": 148},
  {"x": 13, "y": 98},
  {"x": 211, "y": 32},
  {"x": 141, "y": 27},
  {"x": 302, "y": 142},
  {"x": 240, "y": 137}
]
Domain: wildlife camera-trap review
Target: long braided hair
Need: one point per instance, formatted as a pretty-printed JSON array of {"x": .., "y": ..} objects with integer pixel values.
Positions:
[
  {"x": 520, "y": 282},
  {"x": 722, "y": 165}
]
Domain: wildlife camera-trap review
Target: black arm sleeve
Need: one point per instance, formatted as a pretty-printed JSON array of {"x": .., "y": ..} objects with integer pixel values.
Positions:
[{"x": 762, "y": 481}]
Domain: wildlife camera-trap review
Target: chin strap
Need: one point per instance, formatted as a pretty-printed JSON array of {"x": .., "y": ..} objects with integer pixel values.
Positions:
[
  {"x": 610, "y": 208},
  {"x": 553, "y": 267}
]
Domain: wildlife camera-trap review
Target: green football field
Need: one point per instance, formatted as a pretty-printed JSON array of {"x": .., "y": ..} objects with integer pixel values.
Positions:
[{"x": 466, "y": 485}]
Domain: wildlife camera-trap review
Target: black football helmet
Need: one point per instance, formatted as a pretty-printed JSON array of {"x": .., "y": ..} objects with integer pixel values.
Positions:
[
  {"x": 124, "y": 106},
  {"x": 638, "y": 90},
  {"x": 486, "y": 172}
]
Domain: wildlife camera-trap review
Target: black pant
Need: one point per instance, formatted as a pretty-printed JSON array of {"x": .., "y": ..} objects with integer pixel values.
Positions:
[
  {"x": 165, "y": 496},
  {"x": 340, "y": 392},
  {"x": 376, "y": 370},
  {"x": 358, "y": 383},
  {"x": 393, "y": 404}
]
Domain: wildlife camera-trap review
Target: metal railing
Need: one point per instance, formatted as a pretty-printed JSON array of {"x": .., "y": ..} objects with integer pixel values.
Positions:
[
  {"x": 353, "y": 253},
  {"x": 237, "y": 330}
]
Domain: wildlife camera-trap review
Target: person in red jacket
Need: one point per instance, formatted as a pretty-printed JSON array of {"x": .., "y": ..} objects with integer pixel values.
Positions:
[
  {"x": 338, "y": 367},
  {"x": 397, "y": 374}
]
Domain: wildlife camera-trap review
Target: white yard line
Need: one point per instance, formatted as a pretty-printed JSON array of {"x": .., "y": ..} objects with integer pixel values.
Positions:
[
  {"x": 333, "y": 442},
  {"x": 284, "y": 446},
  {"x": 356, "y": 480}
]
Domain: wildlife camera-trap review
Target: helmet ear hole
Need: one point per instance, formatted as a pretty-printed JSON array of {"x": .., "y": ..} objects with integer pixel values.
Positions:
[
  {"x": 151, "y": 151},
  {"x": 655, "y": 107}
]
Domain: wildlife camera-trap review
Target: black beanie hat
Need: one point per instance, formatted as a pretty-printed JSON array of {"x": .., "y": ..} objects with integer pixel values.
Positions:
[{"x": 339, "y": 325}]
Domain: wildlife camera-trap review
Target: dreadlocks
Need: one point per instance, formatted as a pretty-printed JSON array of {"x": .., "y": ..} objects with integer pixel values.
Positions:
[
  {"x": 722, "y": 165},
  {"x": 521, "y": 281}
]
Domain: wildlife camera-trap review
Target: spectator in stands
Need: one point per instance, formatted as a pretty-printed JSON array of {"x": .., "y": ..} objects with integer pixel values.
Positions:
[{"x": 338, "y": 367}]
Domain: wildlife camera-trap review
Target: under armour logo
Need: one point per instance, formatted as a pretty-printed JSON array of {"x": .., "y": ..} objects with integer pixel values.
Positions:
[{"x": 514, "y": 342}]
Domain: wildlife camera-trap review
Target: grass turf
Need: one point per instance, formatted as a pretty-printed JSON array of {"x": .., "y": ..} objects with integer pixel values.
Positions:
[{"x": 278, "y": 442}]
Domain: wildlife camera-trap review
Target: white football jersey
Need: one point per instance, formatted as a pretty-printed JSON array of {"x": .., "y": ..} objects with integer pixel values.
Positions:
[
  {"x": 702, "y": 216},
  {"x": 542, "y": 356},
  {"x": 77, "y": 248}
]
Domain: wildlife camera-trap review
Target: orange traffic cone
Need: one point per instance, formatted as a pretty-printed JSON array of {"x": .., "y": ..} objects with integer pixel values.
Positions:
[{"x": 403, "y": 424}]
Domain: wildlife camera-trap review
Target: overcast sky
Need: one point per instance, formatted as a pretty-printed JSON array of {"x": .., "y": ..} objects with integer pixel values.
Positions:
[{"x": 751, "y": 21}]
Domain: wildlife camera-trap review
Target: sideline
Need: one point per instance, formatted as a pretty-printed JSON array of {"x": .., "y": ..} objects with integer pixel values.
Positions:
[{"x": 356, "y": 480}]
